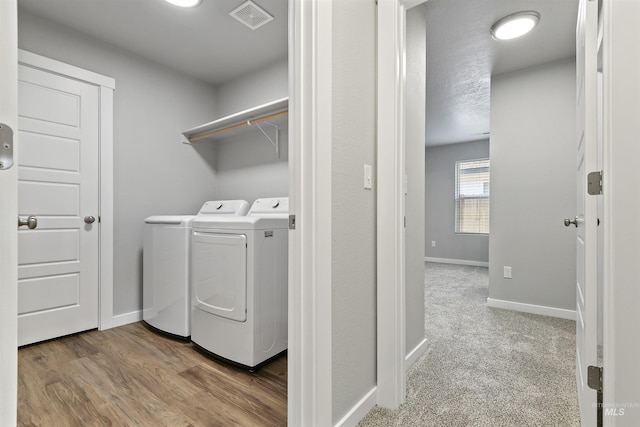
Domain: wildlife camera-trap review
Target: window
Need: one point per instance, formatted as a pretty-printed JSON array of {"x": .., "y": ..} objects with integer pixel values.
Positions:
[{"x": 472, "y": 196}]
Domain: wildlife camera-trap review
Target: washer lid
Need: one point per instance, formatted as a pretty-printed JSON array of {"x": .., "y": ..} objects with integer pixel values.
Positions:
[
  {"x": 226, "y": 207},
  {"x": 183, "y": 220}
]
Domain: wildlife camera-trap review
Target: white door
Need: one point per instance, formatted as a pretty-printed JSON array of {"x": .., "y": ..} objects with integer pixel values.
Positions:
[
  {"x": 587, "y": 207},
  {"x": 8, "y": 213},
  {"x": 58, "y": 184}
]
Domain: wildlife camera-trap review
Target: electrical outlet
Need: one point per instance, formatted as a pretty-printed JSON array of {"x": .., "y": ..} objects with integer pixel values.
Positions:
[
  {"x": 433, "y": 243},
  {"x": 507, "y": 272}
]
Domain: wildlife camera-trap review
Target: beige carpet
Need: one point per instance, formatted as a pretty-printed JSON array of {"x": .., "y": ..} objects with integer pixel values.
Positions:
[{"x": 485, "y": 366}]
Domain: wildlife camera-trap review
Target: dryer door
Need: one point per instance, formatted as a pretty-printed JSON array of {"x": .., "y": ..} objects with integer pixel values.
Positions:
[{"x": 220, "y": 274}]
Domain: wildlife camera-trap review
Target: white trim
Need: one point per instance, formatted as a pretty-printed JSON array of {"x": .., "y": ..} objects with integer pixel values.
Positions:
[
  {"x": 621, "y": 204},
  {"x": 107, "y": 86},
  {"x": 532, "y": 308},
  {"x": 8, "y": 215},
  {"x": 359, "y": 411},
  {"x": 415, "y": 354},
  {"x": 310, "y": 200},
  {"x": 457, "y": 261},
  {"x": 48, "y": 64},
  {"x": 611, "y": 158},
  {"x": 106, "y": 209},
  {"x": 126, "y": 318},
  {"x": 391, "y": 379}
]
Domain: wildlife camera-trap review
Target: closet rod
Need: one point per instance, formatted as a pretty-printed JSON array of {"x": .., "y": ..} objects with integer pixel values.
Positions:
[{"x": 239, "y": 125}]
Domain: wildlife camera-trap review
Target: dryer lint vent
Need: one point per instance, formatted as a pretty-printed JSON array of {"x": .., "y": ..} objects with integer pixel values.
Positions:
[{"x": 251, "y": 15}]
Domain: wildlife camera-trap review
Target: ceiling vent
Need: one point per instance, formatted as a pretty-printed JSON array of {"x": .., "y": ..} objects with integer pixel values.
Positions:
[{"x": 251, "y": 15}]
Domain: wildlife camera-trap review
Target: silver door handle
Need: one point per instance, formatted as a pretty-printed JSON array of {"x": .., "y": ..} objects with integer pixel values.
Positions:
[
  {"x": 30, "y": 221},
  {"x": 89, "y": 219},
  {"x": 568, "y": 222}
]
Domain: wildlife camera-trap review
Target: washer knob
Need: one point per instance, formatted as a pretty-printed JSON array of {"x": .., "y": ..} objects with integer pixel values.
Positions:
[{"x": 275, "y": 204}]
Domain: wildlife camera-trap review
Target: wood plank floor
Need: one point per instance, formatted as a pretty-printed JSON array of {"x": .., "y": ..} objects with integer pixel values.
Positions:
[{"x": 132, "y": 376}]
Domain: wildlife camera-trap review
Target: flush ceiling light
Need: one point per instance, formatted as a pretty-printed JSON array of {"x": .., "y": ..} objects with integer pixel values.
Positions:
[
  {"x": 515, "y": 25},
  {"x": 184, "y": 3}
]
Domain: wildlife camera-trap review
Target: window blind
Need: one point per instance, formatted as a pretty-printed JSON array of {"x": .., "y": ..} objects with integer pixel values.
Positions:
[{"x": 472, "y": 196}]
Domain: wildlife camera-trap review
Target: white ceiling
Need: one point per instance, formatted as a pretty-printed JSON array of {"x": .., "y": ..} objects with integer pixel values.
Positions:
[
  {"x": 462, "y": 56},
  {"x": 203, "y": 42},
  {"x": 208, "y": 44}
]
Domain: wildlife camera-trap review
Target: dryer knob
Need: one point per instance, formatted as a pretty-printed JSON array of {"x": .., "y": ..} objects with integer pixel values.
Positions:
[
  {"x": 219, "y": 206},
  {"x": 275, "y": 204}
]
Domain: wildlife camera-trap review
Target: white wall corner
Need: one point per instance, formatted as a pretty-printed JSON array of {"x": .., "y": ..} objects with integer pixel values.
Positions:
[
  {"x": 413, "y": 356},
  {"x": 359, "y": 410},
  {"x": 457, "y": 261},
  {"x": 531, "y": 308}
]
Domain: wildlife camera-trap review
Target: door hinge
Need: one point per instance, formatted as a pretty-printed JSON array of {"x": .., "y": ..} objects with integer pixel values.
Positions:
[
  {"x": 292, "y": 222},
  {"x": 594, "y": 381},
  {"x": 594, "y": 377},
  {"x": 594, "y": 183}
]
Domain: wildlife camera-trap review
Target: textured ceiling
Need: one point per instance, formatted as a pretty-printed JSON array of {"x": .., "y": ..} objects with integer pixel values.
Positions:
[
  {"x": 208, "y": 44},
  {"x": 462, "y": 56},
  {"x": 204, "y": 42}
]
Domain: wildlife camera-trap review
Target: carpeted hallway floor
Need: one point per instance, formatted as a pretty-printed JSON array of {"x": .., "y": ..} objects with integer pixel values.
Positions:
[{"x": 485, "y": 366}]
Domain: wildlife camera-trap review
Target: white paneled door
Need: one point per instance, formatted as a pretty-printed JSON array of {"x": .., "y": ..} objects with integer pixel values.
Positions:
[
  {"x": 586, "y": 220},
  {"x": 58, "y": 184}
]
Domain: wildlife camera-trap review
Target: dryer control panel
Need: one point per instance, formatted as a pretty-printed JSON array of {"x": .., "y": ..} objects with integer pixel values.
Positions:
[
  {"x": 272, "y": 205},
  {"x": 227, "y": 207}
]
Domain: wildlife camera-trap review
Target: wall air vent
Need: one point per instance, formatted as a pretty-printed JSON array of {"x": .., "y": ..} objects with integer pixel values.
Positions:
[{"x": 251, "y": 15}]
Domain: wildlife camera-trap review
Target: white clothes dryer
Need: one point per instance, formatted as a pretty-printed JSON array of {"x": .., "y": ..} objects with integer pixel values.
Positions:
[
  {"x": 166, "y": 298},
  {"x": 240, "y": 284}
]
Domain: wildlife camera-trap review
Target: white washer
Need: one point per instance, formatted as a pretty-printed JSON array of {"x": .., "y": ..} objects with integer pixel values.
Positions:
[
  {"x": 239, "y": 284},
  {"x": 166, "y": 299}
]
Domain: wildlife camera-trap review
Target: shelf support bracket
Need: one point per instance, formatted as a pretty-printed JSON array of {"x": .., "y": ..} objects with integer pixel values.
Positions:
[{"x": 276, "y": 142}]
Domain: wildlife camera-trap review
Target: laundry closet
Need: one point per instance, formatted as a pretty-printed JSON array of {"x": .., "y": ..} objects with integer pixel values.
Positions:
[{"x": 156, "y": 170}]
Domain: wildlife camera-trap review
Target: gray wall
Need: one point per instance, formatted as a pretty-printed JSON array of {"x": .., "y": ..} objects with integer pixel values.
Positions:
[
  {"x": 414, "y": 161},
  {"x": 154, "y": 172},
  {"x": 533, "y": 185},
  {"x": 246, "y": 164},
  {"x": 440, "y": 204},
  {"x": 353, "y": 284}
]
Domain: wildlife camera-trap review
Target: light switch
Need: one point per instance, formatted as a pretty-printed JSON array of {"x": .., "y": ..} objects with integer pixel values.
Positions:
[{"x": 368, "y": 182}]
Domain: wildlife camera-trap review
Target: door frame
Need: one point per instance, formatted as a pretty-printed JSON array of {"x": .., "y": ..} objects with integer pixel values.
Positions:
[
  {"x": 310, "y": 196},
  {"x": 8, "y": 216},
  {"x": 106, "y": 86},
  {"x": 391, "y": 322},
  {"x": 391, "y": 311},
  {"x": 621, "y": 189}
]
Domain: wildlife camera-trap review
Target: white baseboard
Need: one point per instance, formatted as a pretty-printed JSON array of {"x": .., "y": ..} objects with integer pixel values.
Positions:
[
  {"x": 126, "y": 318},
  {"x": 359, "y": 411},
  {"x": 415, "y": 354},
  {"x": 531, "y": 308},
  {"x": 457, "y": 261}
]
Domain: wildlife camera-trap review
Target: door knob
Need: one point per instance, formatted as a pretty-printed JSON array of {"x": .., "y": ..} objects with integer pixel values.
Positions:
[
  {"x": 30, "y": 221},
  {"x": 89, "y": 219},
  {"x": 568, "y": 222}
]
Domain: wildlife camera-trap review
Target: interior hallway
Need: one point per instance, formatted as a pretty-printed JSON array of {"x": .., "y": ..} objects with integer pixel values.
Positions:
[{"x": 485, "y": 366}]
